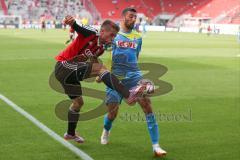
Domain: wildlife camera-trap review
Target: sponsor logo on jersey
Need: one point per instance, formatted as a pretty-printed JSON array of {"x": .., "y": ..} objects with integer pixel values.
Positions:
[
  {"x": 126, "y": 44},
  {"x": 88, "y": 53}
]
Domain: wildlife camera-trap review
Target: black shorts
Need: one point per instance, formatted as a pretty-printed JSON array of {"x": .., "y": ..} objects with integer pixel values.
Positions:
[{"x": 69, "y": 74}]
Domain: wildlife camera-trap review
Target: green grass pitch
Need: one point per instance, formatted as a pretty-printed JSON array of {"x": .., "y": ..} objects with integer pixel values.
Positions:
[{"x": 205, "y": 74}]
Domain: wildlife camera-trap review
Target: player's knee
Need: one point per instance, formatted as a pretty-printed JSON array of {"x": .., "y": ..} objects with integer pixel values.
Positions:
[
  {"x": 148, "y": 110},
  {"x": 145, "y": 103},
  {"x": 98, "y": 68},
  {"x": 112, "y": 115},
  {"x": 77, "y": 104},
  {"x": 112, "y": 112},
  {"x": 103, "y": 69}
]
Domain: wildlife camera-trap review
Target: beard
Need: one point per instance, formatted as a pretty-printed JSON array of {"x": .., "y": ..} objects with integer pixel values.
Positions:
[{"x": 129, "y": 26}]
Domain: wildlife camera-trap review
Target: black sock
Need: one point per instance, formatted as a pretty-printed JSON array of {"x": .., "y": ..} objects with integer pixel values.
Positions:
[
  {"x": 112, "y": 81},
  {"x": 73, "y": 117}
]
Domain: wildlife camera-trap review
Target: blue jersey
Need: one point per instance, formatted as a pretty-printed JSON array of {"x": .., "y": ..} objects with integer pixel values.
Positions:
[{"x": 125, "y": 51}]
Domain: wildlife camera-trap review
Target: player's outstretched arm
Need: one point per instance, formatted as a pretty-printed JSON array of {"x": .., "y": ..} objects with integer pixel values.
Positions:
[{"x": 69, "y": 20}]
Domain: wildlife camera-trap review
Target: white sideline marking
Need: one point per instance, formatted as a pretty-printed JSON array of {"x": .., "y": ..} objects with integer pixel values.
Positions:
[{"x": 44, "y": 128}]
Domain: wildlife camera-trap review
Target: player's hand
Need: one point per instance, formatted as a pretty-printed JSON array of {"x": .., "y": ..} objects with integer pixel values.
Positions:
[
  {"x": 68, "y": 20},
  {"x": 98, "y": 80}
]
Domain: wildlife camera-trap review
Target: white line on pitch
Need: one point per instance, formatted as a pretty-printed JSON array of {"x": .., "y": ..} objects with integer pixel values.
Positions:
[{"x": 44, "y": 128}]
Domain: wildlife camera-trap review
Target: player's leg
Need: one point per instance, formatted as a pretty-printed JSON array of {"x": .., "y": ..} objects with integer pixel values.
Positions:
[
  {"x": 108, "y": 120},
  {"x": 112, "y": 82},
  {"x": 73, "y": 117},
  {"x": 74, "y": 91},
  {"x": 152, "y": 124},
  {"x": 109, "y": 79},
  {"x": 113, "y": 100},
  {"x": 111, "y": 115},
  {"x": 65, "y": 73},
  {"x": 73, "y": 114}
]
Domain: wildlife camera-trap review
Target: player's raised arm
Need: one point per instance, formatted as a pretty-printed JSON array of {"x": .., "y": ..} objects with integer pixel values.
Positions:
[{"x": 69, "y": 20}]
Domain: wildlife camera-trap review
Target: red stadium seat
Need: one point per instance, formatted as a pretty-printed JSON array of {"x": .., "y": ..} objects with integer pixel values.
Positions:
[{"x": 151, "y": 8}]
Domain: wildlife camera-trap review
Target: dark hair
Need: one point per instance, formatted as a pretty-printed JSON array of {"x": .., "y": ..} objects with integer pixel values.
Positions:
[
  {"x": 108, "y": 24},
  {"x": 128, "y": 9}
]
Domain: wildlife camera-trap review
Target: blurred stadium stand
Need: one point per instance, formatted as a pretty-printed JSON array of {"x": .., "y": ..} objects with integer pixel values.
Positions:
[
  {"x": 157, "y": 12},
  {"x": 219, "y": 11}
]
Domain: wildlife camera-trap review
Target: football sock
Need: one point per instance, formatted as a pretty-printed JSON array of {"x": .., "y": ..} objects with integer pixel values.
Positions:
[
  {"x": 73, "y": 117},
  {"x": 152, "y": 128},
  {"x": 107, "y": 123},
  {"x": 112, "y": 82}
]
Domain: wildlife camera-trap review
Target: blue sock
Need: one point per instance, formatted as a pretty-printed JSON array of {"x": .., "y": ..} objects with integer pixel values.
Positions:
[
  {"x": 152, "y": 128},
  {"x": 107, "y": 123}
]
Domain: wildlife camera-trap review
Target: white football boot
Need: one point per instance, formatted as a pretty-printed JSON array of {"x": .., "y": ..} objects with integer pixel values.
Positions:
[
  {"x": 105, "y": 137},
  {"x": 158, "y": 151}
]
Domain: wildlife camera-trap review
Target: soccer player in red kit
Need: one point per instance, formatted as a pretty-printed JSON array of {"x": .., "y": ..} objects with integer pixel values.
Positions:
[{"x": 80, "y": 61}]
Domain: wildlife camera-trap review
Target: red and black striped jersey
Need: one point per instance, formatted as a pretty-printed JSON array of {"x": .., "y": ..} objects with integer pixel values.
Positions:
[{"x": 84, "y": 47}]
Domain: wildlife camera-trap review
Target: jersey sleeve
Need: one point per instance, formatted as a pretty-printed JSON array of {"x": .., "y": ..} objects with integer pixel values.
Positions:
[{"x": 86, "y": 32}]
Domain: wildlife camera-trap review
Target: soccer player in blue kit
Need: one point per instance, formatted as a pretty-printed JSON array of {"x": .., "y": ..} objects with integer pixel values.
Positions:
[{"x": 125, "y": 51}]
